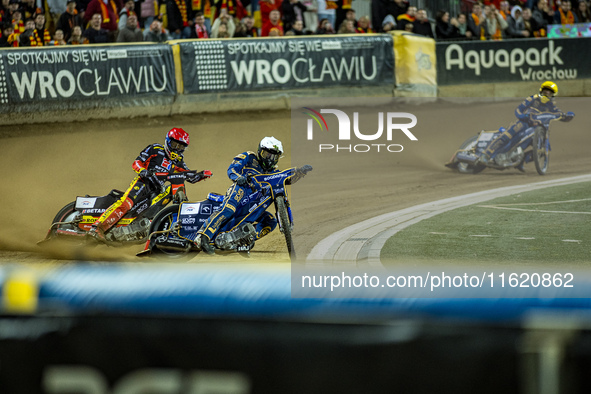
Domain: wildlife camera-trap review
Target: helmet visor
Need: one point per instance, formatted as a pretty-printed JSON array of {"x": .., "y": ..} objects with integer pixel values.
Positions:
[
  {"x": 269, "y": 156},
  {"x": 176, "y": 146}
]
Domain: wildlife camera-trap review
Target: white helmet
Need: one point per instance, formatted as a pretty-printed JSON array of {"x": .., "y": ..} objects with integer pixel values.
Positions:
[{"x": 269, "y": 152}]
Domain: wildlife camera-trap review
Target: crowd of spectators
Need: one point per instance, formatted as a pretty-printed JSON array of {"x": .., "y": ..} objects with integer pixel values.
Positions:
[
  {"x": 502, "y": 19},
  {"x": 72, "y": 22}
]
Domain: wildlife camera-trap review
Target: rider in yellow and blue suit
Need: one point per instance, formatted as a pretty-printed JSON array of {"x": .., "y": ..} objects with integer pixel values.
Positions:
[
  {"x": 264, "y": 161},
  {"x": 542, "y": 102}
]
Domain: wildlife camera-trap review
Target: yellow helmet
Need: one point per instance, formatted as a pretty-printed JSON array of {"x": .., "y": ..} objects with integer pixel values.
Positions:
[{"x": 550, "y": 86}]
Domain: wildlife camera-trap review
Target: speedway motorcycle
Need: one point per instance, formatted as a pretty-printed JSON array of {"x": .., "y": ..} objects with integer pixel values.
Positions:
[
  {"x": 173, "y": 232},
  {"x": 533, "y": 145},
  {"x": 75, "y": 219}
]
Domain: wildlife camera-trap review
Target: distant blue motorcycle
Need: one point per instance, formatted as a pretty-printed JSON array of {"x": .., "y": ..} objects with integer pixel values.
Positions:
[
  {"x": 466, "y": 159},
  {"x": 174, "y": 230}
]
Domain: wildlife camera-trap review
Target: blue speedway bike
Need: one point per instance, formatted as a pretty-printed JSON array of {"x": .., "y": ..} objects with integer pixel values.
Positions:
[
  {"x": 173, "y": 232},
  {"x": 533, "y": 145}
]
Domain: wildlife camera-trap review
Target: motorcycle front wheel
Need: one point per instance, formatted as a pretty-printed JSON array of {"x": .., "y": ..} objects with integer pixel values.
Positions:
[
  {"x": 540, "y": 150},
  {"x": 466, "y": 168},
  {"x": 66, "y": 214},
  {"x": 285, "y": 225},
  {"x": 161, "y": 226}
]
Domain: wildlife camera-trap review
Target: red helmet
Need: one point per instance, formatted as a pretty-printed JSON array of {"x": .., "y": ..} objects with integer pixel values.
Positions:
[{"x": 177, "y": 140}]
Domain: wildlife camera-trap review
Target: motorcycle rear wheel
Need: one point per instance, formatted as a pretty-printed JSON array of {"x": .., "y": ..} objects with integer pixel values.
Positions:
[
  {"x": 540, "y": 150},
  {"x": 285, "y": 225},
  {"x": 466, "y": 168},
  {"x": 163, "y": 222}
]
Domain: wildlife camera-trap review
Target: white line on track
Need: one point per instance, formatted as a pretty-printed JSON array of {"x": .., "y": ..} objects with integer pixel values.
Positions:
[
  {"x": 362, "y": 243},
  {"x": 530, "y": 210}
]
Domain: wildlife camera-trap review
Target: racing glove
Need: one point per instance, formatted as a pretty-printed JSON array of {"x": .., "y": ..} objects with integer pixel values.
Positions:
[
  {"x": 200, "y": 176},
  {"x": 241, "y": 181},
  {"x": 567, "y": 117},
  {"x": 150, "y": 181},
  {"x": 304, "y": 169}
]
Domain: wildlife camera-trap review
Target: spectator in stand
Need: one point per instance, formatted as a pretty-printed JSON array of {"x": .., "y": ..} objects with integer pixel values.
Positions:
[
  {"x": 582, "y": 12},
  {"x": 131, "y": 32},
  {"x": 55, "y": 9},
  {"x": 388, "y": 24},
  {"x": 69, "y": 19},
  {"x": 494, "y": 25},
  {"x": 446, "y": 29},
  {"x": 476, "y": 20},
  {"x": 29, "y": 8},
  {"x": 534, "y": 27},
  {"x": 224, "y": 24},
  {"x": 200, "y": 30},
  {"x": 380, "y": 9},
  {"x": 347, "y": 27},
  {"x": 274, "y": 22},
  {"x": 516, "y": 25},
  {"x": 351, "y": 16},
  {"x": 422, "y": 25},
  {"x": 343, "y": 8},
  {"x": 148, "y": 10},
  {"x": 95, "y": 34},
  {"x": 58, "y": 38},
  {"x": 311, "y": 14},
  {"x": 26, "y": 37},
  {"x": 326, "y": 13},
  {"x": 251, "y": 30},
  {"x": 325, "y": 27},
  {"x": 293, "y": 10},
  {"x": 107, "y": 9},
  {"x": 544, "y": 14},
  {"x": 17, "y": 22},
  {"x": 297, "y": 28},
  {"x": 41, "y": 34},
  {"x": 505, "y": 9},
  {"x": 13, "y": 5},
  {"x": 178, "y": 19},
  {"x": 9, "y": 37},
  {"x": 128, "y": 9},
  {"x": 76, "y": 38},
  {"x": 463, "y": 30},
  {"x": 408, "y": 17},
  {"x": 156, "y": 33},
  {"x": 565, "y": 15},
  {"x": 363, "y": 25},
  {"x": 234, "y": 8},
  {"x": 266, "y": 6}
]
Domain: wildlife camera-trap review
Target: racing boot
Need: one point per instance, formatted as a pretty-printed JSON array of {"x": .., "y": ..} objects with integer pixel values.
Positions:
[
  {"x": 483, "y": 159},
  {"x": 109, "y": 218},
  {"x": 205, "y": 245},
  {"x": 96, "y": 234}
]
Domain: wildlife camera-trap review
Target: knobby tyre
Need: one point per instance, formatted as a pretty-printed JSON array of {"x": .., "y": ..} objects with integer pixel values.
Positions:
[
  {"x": 164, "y": 221},
  {"x": 541, "y": 152},
  {"x": 285, "y": 225}
]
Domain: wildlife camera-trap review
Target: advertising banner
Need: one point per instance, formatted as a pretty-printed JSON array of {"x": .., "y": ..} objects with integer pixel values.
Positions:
[
  {"x": 271, "y": 64},
  {"x": 512, "y": 61},
  {"x": 70, "y": 77}
]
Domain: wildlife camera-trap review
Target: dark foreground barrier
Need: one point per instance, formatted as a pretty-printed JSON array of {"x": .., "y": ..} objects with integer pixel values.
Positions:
[{"x": 227, "y": 329}]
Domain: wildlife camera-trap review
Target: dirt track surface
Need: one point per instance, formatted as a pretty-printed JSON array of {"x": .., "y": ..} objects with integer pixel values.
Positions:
[{"x": 47, "y": 166}]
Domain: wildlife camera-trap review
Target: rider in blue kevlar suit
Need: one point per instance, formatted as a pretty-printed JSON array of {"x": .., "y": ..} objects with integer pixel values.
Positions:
[
  {"x": 248, "y": 163},
  {"x": 543, "y": 102}
]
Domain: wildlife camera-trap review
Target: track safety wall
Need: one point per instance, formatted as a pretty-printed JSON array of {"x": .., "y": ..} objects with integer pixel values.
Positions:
[{"x": 52, "y": 84}]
